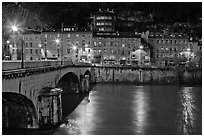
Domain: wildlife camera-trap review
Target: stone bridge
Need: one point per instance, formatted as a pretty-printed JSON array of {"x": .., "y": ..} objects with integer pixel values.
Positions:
[
  {"x": 30, "y": 82},
  {"x": 78, "y": 79}
]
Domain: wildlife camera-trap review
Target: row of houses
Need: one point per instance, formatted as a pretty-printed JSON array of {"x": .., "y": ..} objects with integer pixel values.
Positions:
[{"x": 84, "y": 47}]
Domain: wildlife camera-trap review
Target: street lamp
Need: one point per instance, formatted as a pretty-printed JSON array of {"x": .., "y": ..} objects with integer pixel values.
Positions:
[
  {"x": 75, "y": 49},
  {"x": 140, "y": 58},
  {"x": 15, "y": 29},
  {"x": 40, "y": 46},
  {"x": 58, "y": 41}
]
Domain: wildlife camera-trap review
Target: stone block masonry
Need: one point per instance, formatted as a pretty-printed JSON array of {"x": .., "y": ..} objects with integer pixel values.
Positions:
[{"x": 147, "y": 76}]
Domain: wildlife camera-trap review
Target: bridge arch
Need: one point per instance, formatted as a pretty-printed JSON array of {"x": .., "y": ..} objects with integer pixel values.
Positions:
[
  {"x": 69, "y": 83},
  {"x": 18, "y": 111}
]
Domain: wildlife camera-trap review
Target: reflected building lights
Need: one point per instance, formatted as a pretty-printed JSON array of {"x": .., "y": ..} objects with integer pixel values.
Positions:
[
  {"x": 140, "y": 109},
  {"x": 186, "y": 117}
]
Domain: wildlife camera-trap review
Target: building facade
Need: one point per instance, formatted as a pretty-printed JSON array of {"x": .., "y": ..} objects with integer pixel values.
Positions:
[
  {"x": 32, "y": 46},
  {"x": 119, "y": 50},
  {"x": 74, "y": 46},
  {"x": 169, "y": 51},
  {"x": 104, "y": 23}
]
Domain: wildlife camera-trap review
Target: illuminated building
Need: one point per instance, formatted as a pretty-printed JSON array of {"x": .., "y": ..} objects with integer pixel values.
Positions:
[
  {"x": 103, "y": 23},
  {"x": 168, "y": 49},
  {"x": 74, "y": 46},
  {"x": 32, "y": 46},
  {"x": 115, "y": 50}
]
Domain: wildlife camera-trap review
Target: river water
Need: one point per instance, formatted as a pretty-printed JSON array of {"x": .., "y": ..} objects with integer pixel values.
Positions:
[{"x": 127, "y": 109}]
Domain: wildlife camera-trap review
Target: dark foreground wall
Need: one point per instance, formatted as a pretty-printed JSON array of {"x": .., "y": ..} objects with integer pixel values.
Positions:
[{"x": 153, "y": 76}]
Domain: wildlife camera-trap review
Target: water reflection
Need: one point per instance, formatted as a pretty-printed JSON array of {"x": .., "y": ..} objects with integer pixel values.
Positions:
[
  {"x": 141, "y": 107},
  {"x": 131, "y": 110},
  {"x": 77, "y": 122},
  {"x": 187, "y": 116}
]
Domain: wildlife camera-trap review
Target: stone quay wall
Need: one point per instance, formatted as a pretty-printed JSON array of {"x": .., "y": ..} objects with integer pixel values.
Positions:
[{"x": 151, "y": 76}]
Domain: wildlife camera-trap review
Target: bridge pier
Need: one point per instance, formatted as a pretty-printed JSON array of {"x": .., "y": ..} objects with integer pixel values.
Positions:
[
  {"x": 87, "y": 83},
  {"x": 84, "y": 83}
]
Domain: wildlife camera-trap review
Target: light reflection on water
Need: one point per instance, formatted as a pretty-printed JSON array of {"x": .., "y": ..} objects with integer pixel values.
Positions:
[
  {"x": 132, "y": 110},
  {"x": 140, "y": 107},
  {"x": 187, "y": 117}
]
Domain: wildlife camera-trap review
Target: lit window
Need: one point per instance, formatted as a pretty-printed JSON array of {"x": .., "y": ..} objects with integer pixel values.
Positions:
[{"x": 95, "y": 44}]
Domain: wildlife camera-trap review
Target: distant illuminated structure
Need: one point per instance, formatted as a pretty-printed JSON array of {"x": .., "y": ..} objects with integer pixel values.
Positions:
[{"x": 103, "y": 23}]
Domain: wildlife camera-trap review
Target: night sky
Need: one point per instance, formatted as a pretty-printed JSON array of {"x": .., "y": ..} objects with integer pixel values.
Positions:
[
  {"x": 79, "y": 12},
  {"x": 71, "y": 13}
]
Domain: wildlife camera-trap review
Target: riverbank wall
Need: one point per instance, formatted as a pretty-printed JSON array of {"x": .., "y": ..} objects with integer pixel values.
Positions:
[{"x": 148, "y": 76}]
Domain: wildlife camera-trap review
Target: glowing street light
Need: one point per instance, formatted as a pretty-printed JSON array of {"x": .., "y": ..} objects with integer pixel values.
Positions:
[
  {"x": 58, "y": 41},
  {"x": 14, "y": 28},
  {"x": 74, "y": 47},
  {"x": 75, "y": 50},
  {"x": 40, "y": 45},
  {"x": 141, "y": 47}
]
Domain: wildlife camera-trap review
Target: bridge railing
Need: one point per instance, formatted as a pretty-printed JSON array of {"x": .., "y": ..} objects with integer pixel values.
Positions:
[{"x": 11, "y": 65}]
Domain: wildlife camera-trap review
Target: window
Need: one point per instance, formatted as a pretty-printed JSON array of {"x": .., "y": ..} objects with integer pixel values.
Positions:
[
  {"x": 83, "y": 49},
  {"x": 68, "y": 50},
  {"x": 89, "y": 50},
  {"x": 36, "y": 51},
  {"x": 31, "y": 51},
  {"x": 31, "y": 44},
  {"x": 123, "y": 52},
  {"x": 26, "y": 44},
  {"x": 95, "y": 44}
]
